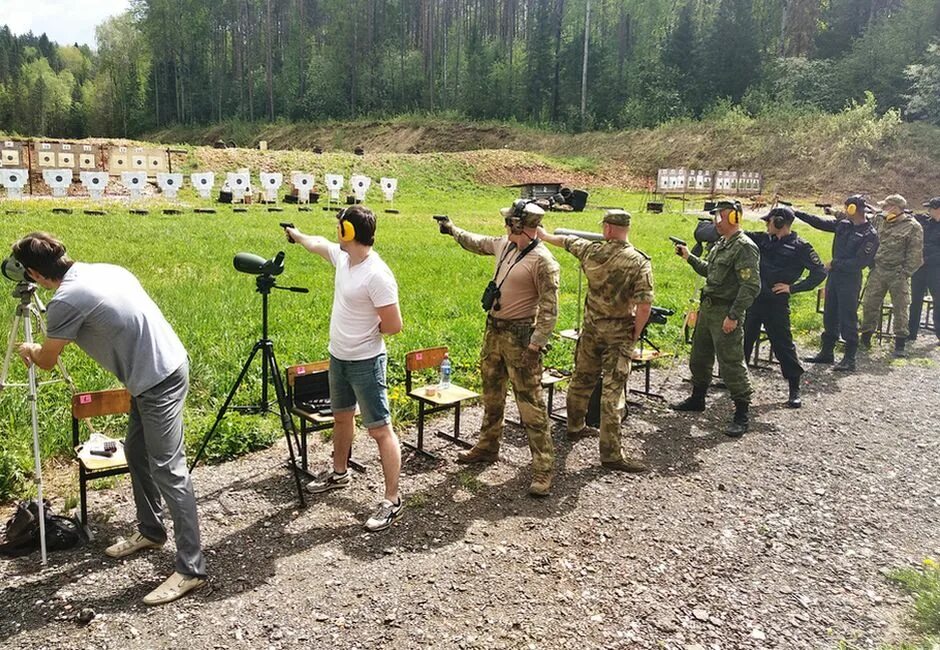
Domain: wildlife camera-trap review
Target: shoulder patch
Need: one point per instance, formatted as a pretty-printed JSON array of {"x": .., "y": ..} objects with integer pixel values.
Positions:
[{"x": 745, "y": 274}]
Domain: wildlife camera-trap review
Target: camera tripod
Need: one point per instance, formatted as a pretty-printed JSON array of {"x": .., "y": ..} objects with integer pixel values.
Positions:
[
  {"x": 269, "y": 369},
  {"x": 28, "y": 309}
]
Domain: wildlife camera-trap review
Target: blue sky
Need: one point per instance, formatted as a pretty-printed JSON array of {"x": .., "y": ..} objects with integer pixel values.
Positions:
[{"x": 65, "y": 21}]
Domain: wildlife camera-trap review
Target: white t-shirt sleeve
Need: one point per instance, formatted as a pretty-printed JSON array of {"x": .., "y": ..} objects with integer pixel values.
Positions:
[{"x": 383, "y": 290}]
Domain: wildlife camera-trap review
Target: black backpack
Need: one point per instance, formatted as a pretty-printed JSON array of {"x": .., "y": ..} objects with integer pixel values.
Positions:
[{"x": 21, "y": 534}]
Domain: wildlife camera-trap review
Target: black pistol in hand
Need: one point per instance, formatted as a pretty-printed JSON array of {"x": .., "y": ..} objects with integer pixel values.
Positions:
[
  {"x": 678, "y": 242},
  {"x": 444, "y": 223},
  {"x": 288, "y": 224}
]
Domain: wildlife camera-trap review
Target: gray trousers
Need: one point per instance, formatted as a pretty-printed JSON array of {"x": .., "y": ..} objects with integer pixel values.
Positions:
[{"x": 157, "y": 463}]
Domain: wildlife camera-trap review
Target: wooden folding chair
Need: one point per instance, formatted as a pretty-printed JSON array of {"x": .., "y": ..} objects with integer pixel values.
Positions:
[
  {"x": 90, "y": 467},
  {"x": 306, "y": 382},
  {"x": 433, "y": 400}
]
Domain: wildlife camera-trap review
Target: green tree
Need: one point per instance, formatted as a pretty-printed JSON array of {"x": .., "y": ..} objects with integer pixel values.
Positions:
[{"x": 125, "y": 61}]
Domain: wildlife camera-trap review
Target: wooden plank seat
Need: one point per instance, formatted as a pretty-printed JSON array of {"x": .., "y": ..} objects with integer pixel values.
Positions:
[{"x": 85, "y": 406}]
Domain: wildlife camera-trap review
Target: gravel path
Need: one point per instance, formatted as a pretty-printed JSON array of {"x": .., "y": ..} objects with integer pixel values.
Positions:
[{"x": 778, "y": 540}]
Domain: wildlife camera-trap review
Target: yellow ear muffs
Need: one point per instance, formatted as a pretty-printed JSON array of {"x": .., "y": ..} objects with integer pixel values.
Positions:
[
  {"x": 734, "y": 216},
  {"x": 347, "y": 231},
  {"x": 851, "y": 209}
]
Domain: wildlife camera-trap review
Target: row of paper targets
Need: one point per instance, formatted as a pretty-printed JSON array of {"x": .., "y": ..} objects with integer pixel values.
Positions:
[
  {"x": 239, "y": 183},
  {"x": 82, "y": 157}
]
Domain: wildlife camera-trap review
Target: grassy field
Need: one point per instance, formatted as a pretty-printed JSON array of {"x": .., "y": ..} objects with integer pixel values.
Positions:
[{"x": 185, "y": 262}]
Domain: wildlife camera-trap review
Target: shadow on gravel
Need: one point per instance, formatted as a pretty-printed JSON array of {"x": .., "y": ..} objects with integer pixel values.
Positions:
[
  {"x": 436, "y": 516},
  {"x": 66, "y": 568}
]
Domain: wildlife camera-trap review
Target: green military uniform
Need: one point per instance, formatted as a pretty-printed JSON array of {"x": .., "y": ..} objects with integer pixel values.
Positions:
[
  {"x": 900, "y": 253},
  {"x": 505, "y": 355},
  {"x": 732, "y": 282},
  {"x": 619, "y": 277}
]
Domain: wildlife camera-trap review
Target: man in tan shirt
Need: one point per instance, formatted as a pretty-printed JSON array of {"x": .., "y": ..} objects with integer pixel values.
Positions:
[{"x": 522, "y": 307}]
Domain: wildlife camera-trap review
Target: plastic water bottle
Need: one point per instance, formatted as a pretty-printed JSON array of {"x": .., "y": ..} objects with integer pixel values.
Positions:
[{"x": 445, "y": 373}]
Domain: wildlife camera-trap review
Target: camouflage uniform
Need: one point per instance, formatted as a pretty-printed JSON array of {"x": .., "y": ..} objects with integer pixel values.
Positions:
[
  {"x": 900, "y": 253},
  {"x": 732, "y": 282},
  {"x": 619, "y": 277},
  {"x": 505, "y": 356}
]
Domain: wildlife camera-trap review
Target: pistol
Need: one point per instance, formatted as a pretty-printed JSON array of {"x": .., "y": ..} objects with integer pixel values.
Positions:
[
  {"x": 677, "y": 241},
  {"x": 288, "y": 224}
]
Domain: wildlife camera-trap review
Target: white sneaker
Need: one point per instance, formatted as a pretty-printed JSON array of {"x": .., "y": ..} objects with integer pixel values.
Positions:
[
  {"x": 175, "y": 586},
  {"x": 385, "y": 515},
  {"x": 136, "y": 542}
]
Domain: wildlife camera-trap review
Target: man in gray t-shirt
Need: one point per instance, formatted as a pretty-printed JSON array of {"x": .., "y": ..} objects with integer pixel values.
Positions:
[{"x": 106, "y": 312}]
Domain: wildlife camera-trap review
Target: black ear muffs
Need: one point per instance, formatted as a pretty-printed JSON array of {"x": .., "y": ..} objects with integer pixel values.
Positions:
[
  {"x": 347, "y": 231},
  {"x": 779, "y": 222}
]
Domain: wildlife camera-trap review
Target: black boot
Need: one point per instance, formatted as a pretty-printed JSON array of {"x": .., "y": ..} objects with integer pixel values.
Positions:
[
  {"x": 826, "y": 353},
  {"x": 899, "y": 352},
  {"x": 848, "y": 359},
  {"x": 795, "y": 400},
  {"x": 740, "y": 422},
  {"x": 865, "y": 340},
  {"x": 695, "y": 402}
]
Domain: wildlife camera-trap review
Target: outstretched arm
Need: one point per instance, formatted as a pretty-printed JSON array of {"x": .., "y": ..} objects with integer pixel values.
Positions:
[
  {"x": 819, "y": 223},
  {"x": 313, "y": 243}
]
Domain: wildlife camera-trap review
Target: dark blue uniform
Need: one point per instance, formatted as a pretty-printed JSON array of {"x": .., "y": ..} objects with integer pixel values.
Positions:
[
  {"x": 853, "y": 248},
  {"x": 782, "y": 260},
  {"x": 926, "y": 277}
]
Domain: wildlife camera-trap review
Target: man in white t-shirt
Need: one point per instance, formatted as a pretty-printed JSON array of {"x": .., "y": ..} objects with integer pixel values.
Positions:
[{"x": 365, "y": 307}]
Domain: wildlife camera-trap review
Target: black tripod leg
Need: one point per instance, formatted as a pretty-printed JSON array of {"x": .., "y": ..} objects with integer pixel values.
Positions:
[
  {"x": 228, "y": 400},
  {"x": 287, "y": 422}
]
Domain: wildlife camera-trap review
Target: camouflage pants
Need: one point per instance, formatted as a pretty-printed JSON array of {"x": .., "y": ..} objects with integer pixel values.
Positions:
[
  {"x": 879, "y": 284},
  {"x": 607, "y": 350},
  {"x": 710, "y": 341},
  {"x": 503, "y": 360}
]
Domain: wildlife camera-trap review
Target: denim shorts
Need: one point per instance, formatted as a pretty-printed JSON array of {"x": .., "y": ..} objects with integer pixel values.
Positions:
[{"x": 362, "y": 383}]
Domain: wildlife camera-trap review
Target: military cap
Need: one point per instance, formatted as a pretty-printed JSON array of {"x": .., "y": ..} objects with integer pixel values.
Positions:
[
  {"x": 617, "y": 218},
  {"x": 724, "y": 204},
  {"x": 784, "y": 212},
  {"x": 896, "y": 200},
  {"x": 933, "y": 203},
  {"x": 528, "y": 213}
]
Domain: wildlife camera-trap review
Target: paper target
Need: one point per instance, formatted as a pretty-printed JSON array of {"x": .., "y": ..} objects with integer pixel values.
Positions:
[
  {"x": 238, "y": 183},
  {"x": 95, "y": 183},
  {"x": 203, "y": 183},
  {"x": 303, "y": 183},
  {"x": 57, "y": 179},
  {"x": 334, "y": 183},
  {"x": 169, "y": 184},
  {"x": 134, "y": 181},
  {"x": 359, "y": 186},
  {"x": 389, "y": 187},
  {"x": 14, "y": 180}
]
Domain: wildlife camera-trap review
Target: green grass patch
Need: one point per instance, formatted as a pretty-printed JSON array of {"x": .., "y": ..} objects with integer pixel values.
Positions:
[
  {"x": 924, "y": 584},
  {"x": 185, "y": 263}
]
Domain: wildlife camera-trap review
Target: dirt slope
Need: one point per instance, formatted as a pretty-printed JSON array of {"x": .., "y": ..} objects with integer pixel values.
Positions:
[{"x": 827, "y": 156}]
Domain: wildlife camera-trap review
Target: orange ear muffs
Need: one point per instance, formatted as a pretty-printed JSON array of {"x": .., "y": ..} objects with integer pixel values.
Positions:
[{"x": 347, "y": 231}]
